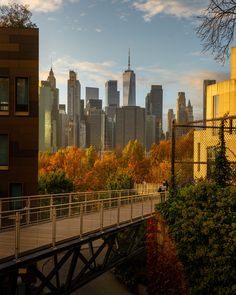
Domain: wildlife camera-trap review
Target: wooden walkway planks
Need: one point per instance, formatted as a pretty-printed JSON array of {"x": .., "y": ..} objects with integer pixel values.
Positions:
[{"x": 39, "y": 235}]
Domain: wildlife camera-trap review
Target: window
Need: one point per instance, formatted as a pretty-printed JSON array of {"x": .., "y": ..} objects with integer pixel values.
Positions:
[
  {"x": 4, "y": 95},
  {"x": 16, "y": 191},
  {"x": 215, "y": 106},
  {"x": 22, "y": 96},
  {"x": 4, "y": 152}
]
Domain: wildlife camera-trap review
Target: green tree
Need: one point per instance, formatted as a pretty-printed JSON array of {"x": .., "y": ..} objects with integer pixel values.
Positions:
[
  {"x": 91, "y": 155},
  {"x": 222, "y": 171},
  {"x": 54, "y": 183},
  {"x": 121, "y": 180},
  {"x": 15, "y": 16},
  {"x": 201, "y": 221}
]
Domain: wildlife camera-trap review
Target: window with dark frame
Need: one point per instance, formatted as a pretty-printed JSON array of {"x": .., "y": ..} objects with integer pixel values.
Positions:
[
  {"x": 22, "y": 95},
  {"x": 4, "y": 151},
  {"x": 4, "y": 94}
]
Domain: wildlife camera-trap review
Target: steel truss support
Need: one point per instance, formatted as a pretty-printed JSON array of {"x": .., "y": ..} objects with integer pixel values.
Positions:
[{"x": 72, "y": 264}]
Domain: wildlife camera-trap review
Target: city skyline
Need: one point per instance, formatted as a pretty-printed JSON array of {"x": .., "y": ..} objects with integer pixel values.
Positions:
[{"x": 92, "y": 38}]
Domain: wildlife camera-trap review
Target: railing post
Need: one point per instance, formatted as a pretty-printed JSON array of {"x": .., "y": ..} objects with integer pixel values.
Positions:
[
  {"x": 101, "y": 215},
  {"x": 17, "y": 235},
  {"x": 81, "y": 220},
  {"x": 131, "y": 209},
  {"x": 51, "y": 203},
  {"x": 54, "y": 223},
  {"x": 151, "y": 203},
  {"x": 70, "y": 200},
  {"x": 28, "y": 211},
  {"x": 142, "y": 206},
  {"x": 109, "y": 199},
  {"x": 85, "y": 203},
  {"x": 118, "y": 212},
  {"x": 0, "y": 213}
]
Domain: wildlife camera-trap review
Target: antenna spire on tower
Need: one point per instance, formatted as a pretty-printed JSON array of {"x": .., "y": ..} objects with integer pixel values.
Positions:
[{"x": 129, "y": 60}]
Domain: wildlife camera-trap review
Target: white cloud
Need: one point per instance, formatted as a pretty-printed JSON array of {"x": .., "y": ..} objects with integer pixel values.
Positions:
[
  {"x": 40, "y": 5},
  {"x": 177, "y": 8},
  {"x": 98, "y": 30},
  {"x": 98, "y": 73}
]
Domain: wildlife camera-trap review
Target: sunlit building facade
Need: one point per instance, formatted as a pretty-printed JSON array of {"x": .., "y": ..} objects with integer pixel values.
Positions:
[{"x": 220, "y": 100}]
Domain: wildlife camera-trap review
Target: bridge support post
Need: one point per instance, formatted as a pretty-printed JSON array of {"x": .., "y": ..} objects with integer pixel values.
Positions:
[
  {"x": 54, "y": 220},
  {"x": 17, "y": 235}
]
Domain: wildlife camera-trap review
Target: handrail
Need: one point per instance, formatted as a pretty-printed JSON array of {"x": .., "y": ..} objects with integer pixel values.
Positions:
[{"x": 94, "y": 215}]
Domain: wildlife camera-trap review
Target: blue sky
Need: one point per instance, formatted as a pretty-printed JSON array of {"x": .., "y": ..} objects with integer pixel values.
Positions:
[{"x": 92, "y": 37}]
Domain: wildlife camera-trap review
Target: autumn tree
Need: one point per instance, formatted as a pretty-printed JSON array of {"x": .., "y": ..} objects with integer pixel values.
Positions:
[
  {"x": 16, "y": 16},
  {"x": 217, "y": 27},
  {"x": 103, "y": 169}
]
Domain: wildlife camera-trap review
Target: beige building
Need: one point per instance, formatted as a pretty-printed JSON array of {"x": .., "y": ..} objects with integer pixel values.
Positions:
[{"x": 220, "y": 100}]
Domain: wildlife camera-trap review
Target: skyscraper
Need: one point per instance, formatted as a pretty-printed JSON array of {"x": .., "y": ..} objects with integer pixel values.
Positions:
[
  {"x": 129, "y": 86},
  {"x": 91, "y": 93},
  {"x": 112, "y": 95},
  {"x": 181, "y": 116},
  {"x": 170, "y": 118},
  {"x": 184, "y": 114},
  {"x": 48, "y": 114},
  {"x": 73, "y": 103},
  {"x": 130, "y": 125},
  {"x": 154, "y": 107}
]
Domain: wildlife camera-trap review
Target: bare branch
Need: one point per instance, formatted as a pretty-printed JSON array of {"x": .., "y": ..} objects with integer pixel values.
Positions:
[{"x": 217, "y": 27}]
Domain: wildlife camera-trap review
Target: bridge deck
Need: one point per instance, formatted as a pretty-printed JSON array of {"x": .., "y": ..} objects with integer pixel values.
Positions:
[{"x": 35, "y": 236}]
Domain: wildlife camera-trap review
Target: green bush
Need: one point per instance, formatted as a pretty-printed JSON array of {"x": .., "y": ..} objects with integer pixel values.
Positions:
[
  {"x": 54, "y": 183},
  {"x": 201, "y": 220}
]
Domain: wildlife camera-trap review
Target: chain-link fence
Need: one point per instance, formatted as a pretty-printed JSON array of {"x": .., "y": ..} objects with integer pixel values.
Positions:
[{"x": 195, "y": 146}]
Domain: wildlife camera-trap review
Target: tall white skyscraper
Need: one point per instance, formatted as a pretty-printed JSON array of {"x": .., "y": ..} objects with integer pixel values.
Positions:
[
  {"x": 73, "y": 103},
  {"x": 129, "y": 98}
]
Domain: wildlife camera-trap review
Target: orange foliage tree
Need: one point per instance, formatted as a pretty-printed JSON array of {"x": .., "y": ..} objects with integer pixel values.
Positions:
[{"x": 160, "y": 158}]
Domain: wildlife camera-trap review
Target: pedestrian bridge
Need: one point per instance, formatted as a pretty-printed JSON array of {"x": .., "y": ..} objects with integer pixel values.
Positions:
[{"x": 56, "y": 243}]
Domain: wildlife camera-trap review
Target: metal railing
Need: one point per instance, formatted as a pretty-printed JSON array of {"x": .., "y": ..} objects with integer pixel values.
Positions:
[
  {"x": 72, "y": 219},
  {"x": 28, "y": 203}
]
